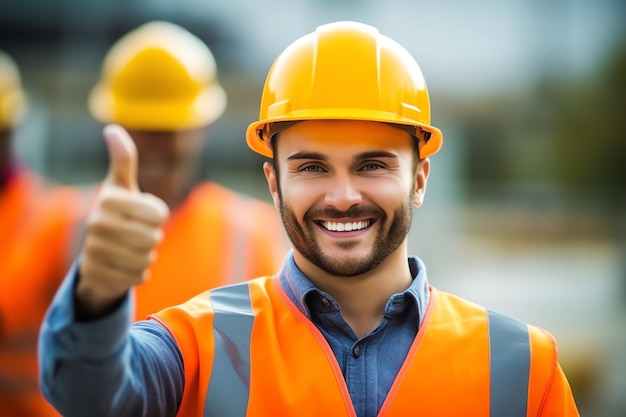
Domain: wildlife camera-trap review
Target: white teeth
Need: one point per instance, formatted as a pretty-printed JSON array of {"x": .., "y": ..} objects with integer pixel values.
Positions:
[{"x": 347, "y": 227}]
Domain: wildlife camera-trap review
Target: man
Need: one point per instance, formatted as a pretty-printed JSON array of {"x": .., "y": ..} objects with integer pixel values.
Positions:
[
  {"x": 350, "y": 325},
  {"x": 159, "y": 81},
  {"x": 36, "y": 219}
]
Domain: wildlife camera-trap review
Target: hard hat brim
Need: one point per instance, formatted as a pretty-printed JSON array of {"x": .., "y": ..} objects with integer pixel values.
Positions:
[
  {"x": 154, "y": 115},
  {"x": 259, "y": 141}
]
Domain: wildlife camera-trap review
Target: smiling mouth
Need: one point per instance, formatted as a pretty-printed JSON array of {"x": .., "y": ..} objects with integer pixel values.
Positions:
[{"x": 345, "y": 227}]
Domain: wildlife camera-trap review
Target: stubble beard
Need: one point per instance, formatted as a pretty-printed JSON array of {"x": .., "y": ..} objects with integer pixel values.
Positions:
[{"x": 388, "y": 239}]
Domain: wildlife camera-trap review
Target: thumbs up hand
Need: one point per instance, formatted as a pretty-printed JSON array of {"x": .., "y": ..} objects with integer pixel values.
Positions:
[{"x": 122, "y": 231}]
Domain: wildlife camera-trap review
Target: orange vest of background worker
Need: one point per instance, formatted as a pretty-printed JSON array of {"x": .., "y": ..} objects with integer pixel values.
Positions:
[
  {"x": 159, "y": 81},
  {"x": 35, "y": 227},
  {"x": 511, "y": 371}
]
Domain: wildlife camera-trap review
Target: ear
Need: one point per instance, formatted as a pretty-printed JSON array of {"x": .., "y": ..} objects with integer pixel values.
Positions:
[
  {"x": 421, "y": 178},
  {"x": 272, "y": 183}
]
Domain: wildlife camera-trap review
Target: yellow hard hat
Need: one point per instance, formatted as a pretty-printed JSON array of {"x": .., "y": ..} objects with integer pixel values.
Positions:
[
  {"x": 158, "y": 77},
  {"x": 345, "y": 70},
  {"x": 12, "y": 97}
]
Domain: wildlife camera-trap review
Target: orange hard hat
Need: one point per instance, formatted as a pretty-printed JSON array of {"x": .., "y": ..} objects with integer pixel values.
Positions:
[
  {"x": 158, "y": 77},
  {"x": 345, "y": 70}
]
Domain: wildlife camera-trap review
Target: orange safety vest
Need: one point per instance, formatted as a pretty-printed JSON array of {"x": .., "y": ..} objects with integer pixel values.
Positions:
[
  {"x": 215, "y": 237},
  {"x": 36, "y": 223},
  {"x": 263, "y": 357}
]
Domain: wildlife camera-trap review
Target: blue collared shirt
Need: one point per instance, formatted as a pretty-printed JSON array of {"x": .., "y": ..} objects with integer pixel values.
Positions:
[
  {"x": 113, "y": 370},
  {"x": 369, "y": 364}
]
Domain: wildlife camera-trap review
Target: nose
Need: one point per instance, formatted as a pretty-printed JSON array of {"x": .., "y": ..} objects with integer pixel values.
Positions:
[{"x": 342, "y": 192}]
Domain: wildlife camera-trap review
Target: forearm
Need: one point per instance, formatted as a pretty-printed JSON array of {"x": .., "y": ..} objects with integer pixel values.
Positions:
[
  {"x": 101, "y": 368},
  {"x": 125, "y": 384}
]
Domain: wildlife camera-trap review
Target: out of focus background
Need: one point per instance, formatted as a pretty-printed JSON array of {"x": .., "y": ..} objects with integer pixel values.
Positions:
[{"x": 526, "y": 206}]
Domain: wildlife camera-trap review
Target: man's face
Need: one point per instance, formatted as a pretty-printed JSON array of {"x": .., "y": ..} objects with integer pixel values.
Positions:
[
  {"x": 345, "y": 190},
  {"x": 167, "y": 160}
]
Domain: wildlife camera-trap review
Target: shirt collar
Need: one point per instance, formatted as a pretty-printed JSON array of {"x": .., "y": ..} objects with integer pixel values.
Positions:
[{"x": 298, "y": 286}]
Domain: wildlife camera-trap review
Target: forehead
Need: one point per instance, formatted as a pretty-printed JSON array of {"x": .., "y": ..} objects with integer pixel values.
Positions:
[{"x": 347, "y": 136}]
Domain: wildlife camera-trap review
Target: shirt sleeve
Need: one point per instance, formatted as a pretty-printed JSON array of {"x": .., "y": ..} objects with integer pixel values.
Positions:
[{"x": 106, "y": 367}]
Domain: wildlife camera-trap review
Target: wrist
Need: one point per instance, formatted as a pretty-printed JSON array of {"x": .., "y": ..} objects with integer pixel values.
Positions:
[{"x": 92, "y": 304}]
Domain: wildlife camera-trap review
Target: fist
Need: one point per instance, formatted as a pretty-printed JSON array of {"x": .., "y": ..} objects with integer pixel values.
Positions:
[{"x": 122, "y": 230}]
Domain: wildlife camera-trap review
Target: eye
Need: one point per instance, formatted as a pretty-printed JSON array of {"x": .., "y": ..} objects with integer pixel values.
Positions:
[
  {"x": 371, "y": 166},
  {"x": 311, "y": 168}
]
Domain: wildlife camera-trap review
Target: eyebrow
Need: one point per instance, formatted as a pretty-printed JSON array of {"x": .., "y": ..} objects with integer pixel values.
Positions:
[
  {"x": 359, "y": 157},
  {"x": 375, "y": 154},
  {"x": 307, "y": 155}
]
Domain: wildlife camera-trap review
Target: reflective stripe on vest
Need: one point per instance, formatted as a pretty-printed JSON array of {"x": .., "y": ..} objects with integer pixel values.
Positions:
[
  {"x": 232, "y": 329},
  {"x": 229, "y": 385},
  {"x": 509, "y": 361}
]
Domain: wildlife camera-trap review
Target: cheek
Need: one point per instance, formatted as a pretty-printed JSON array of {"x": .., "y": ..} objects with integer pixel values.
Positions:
[
  {"x": 386, "y": 193},
  {"x": 301, "y": 194}
]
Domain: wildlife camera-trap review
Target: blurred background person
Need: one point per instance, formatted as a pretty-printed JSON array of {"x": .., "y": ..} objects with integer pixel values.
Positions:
[
  {"x": 36, "y": 222},
  {"x": 160, "y": 82}
]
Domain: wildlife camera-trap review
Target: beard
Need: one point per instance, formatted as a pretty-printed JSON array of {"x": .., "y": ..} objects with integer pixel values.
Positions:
[{"x": 387, "y": 240}]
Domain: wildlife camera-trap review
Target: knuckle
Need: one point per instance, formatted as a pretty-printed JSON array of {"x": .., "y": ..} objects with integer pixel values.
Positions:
[
  {"x": 89, "y": 271},
  {"x": 144, "y": 264},
  {"x": 109, "y": 198},
  {"x": 154, "y": 238},
  {"x": 98, "y": 223},
  {"x": 92, "y": 248},
  {"x": 158, "y": 235}
]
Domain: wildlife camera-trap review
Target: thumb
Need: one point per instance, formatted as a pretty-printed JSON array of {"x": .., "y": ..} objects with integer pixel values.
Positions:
[{"x": 122, "y": 157}]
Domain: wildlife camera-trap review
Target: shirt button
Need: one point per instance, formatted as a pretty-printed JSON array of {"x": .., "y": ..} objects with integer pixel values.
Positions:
[
  {"x": 356, "y": 352},
  {"x": 326, "y": 304}
]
